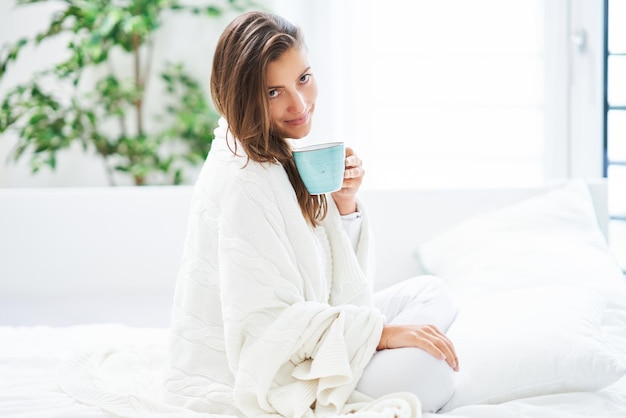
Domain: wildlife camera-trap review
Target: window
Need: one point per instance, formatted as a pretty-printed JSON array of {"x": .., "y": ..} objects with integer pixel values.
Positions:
[
  {"x": 455, "y": 97},
  {"x": 615, "y": 141},
  {"x": 453, "y": 93}
]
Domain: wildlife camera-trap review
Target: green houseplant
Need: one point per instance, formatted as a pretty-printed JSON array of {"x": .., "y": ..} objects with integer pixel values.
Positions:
[{"x": 85, "y": 99}]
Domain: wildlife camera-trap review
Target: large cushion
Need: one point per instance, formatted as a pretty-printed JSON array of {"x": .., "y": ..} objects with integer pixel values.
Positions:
[{"x": 533, "y": 282}]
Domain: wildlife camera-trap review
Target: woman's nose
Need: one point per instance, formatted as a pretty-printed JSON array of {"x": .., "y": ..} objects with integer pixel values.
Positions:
[{"x": 298, "y": 104}]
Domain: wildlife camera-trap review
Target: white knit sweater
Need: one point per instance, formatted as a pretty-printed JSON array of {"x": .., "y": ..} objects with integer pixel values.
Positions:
[{"x": 271, "y": 316}]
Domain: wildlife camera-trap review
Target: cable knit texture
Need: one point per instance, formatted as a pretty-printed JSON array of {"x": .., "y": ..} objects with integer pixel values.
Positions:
[{"x": 271, "y": 316}]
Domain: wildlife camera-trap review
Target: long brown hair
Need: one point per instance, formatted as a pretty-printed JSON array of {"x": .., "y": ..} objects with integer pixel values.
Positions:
[{"x": 239, "y": 91}]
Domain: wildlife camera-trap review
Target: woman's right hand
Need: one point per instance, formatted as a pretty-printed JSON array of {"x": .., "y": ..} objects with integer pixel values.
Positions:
[{"x": 426, "y": 337}]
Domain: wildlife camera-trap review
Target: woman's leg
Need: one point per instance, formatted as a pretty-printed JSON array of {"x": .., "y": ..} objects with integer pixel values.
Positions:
[
  {"x": 409, "y": 370},
  {"x": 420, "y": 300}
]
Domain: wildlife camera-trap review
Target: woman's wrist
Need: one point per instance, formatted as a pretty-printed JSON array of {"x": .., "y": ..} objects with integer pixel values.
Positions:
[
  {"x": 384, "y": 338},
  {"x": 346, "y": 207}
]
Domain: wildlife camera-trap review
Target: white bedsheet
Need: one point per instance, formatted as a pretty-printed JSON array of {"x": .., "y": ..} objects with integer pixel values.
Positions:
[{"x": 30, "y": 358}]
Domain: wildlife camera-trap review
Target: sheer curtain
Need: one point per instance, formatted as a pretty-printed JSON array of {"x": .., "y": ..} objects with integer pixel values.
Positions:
[
  {"x": 457, "y": 90},
  {"x": 445, "y": 93}
]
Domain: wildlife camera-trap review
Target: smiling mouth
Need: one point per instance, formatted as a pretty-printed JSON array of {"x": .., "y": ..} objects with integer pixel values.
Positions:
[{"x": 299, "y": 121}]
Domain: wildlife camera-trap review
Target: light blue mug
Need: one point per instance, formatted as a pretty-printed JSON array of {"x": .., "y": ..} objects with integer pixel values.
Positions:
[{"x": 321, "y": 166}]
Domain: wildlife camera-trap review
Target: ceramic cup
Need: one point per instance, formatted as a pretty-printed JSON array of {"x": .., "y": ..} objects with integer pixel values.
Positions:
[{"x": 321, "y": 166}]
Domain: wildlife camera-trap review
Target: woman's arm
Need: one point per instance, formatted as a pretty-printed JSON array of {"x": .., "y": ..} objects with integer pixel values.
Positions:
[{"x": 351, "y": 224}]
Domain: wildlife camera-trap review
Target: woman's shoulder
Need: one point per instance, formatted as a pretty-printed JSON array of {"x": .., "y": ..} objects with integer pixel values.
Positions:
[
  {"x": 229, "y": 165},
  {"x": 228, "y": 154},
  {"x": 237, "y": 163}
]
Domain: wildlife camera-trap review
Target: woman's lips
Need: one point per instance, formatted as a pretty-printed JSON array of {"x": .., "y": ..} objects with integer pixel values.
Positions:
[{"x": 299, "y": 121}]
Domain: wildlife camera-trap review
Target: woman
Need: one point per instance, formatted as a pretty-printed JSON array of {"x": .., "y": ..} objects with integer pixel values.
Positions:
[{"x": 274, "y": 312}]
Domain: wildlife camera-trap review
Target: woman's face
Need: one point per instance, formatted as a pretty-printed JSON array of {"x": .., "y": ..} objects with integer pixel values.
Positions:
[{"x": 292, "y": 92}]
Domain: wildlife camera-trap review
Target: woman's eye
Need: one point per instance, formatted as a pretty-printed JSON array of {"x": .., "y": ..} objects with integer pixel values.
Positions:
[
  {"x": 305, "y": 78},
  {"x": 272, "y": 93}
]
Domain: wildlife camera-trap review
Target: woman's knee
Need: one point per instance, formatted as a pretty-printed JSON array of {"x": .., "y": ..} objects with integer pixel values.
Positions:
[
  {"x": 438, "y": 381},
  {"x": 432, "y": 282},
  {"x": 441, "y": 386},
  {"x": 409, "y": 370},
  {"x": 420, "y": 300}
]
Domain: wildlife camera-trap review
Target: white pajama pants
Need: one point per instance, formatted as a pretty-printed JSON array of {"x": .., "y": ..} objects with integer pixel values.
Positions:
[{"x": 420, "y": 300}]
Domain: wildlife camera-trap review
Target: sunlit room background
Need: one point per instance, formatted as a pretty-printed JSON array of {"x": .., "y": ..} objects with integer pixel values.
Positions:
[{"x": 430, "y": 93}]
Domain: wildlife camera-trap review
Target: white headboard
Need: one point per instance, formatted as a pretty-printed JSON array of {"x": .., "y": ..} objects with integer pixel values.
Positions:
[
  {"x": 76, "y": 255},
  {"x": 403, "y": 219}
]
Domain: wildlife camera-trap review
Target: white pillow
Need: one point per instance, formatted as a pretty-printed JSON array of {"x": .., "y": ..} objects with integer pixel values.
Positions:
[
  {"x": 530, "y": 342},
  {"x": 549, "y": 239},
  {"x": 531, "y": 280}
]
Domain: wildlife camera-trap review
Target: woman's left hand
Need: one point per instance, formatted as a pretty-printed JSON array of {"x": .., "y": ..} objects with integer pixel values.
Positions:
[{"x": 345, "y": 199}]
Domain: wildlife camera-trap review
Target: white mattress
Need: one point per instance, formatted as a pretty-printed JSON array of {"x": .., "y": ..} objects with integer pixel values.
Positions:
[{"x": 30, "y": 358}]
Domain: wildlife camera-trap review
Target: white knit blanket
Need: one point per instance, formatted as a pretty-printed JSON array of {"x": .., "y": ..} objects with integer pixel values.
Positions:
[
  {"x": 126, "y": 381},
  {"x": 291, "y": 304}
]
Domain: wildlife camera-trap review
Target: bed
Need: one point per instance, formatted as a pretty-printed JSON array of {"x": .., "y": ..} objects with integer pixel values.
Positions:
[{"x": 87, "y": 275}]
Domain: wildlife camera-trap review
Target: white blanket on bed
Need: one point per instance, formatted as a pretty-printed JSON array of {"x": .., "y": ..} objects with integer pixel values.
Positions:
[
  {"x": 305, "y": 292},
  {"x": 125, "y": 379}
]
